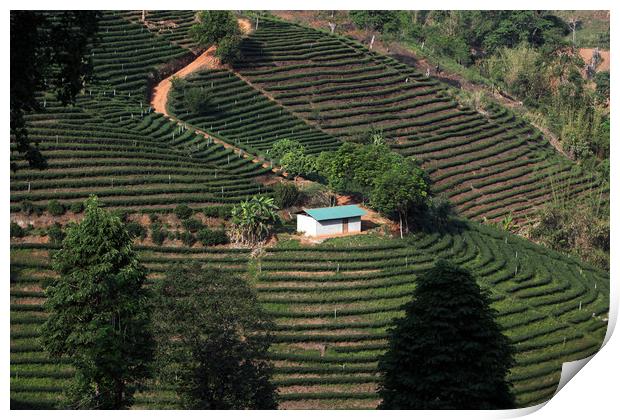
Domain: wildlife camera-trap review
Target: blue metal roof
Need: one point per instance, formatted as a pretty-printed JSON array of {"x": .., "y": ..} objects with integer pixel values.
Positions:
[{"x": 338, "y": 212}]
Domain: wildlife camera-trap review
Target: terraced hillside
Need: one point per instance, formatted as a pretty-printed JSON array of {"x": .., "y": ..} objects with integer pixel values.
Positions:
[
  {"x": 243, "y": 116},
  {"x": 333, "y": 303},
  {"x": 172, "y": 25},
  {"x": 112, "y": 144},
  {"x": 489, "y": 166}
]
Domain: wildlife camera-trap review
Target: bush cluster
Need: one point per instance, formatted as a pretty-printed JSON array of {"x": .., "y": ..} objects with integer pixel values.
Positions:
[
  {"x": 209, "y": 237},
  {"x": 55, "y": 208}
]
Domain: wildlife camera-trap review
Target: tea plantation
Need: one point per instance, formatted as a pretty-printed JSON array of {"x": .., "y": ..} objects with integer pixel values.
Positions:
[
  {"x": 488, "y": 165},
  {"x": 332, "y": 303}
]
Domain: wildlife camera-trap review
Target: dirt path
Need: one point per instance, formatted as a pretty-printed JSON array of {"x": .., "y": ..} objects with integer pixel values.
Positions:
[
  {"x": 207, "y": 59},
  {"x": 587, "y": 53},
  {"x": 160, "y": 92}
]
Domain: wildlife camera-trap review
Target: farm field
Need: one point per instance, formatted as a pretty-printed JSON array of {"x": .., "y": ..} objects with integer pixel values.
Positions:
[
  {"x": 112, "y": 144},
  {"x": 490, "y": 166},
  {"x": 332, "y": 304}
]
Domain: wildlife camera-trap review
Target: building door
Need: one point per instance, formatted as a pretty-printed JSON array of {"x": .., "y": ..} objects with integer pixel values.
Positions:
[{"x": 345, "y": 225}]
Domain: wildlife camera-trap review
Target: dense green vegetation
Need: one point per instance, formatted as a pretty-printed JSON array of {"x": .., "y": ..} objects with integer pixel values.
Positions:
[
  {"x": 99, "y": 314},
  {"x": 215, "y": 359},
  {"x": 333, "y": 303},
  {"x": 448, "y": 351},
  {"x": 218, "y": 27}
]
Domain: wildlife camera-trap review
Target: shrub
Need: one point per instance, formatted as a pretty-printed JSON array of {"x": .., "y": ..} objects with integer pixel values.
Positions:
[
  {"x": 197, "y": 100},
  {"x": 121, "y": 214},
  {"x": 188, "y": 239},
  {"x": 77, "y": 207},
  {"x": 55, "y": 233},
  {"x": 192, "y": 225},
  {"x": 285, "y": 194},
  {"x": 183, "y": 212},
  {"x": 158, "y": 234},
  {"x": 17, "y": 231},
  {"x": 55, "y": 208},
  {"x": 210, "y": 237},
  {"x": 153, "y": 218},
  {"x": 27, "y": 207},
  {"x": 284, "y": 146},
  {"x": 221, "y": 212},
  {"x": 136, "y": 230}
]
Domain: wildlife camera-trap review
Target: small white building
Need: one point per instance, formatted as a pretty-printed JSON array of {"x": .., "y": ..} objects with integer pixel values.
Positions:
[{"x": 330, "y": 220}]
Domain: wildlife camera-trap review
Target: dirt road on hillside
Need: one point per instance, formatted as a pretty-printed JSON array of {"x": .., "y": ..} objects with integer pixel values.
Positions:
[
  {"x": 160, "y": 93},
  {"x": 208, "y": 60}
]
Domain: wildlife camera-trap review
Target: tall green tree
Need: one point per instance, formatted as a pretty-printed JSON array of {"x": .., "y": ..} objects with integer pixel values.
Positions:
[
  {"x": 218, "y": 27},
  {"x": 49, "y": 52},
  {"x": 448, "y": 352},
  {"x": 98, "y": 312},
  {"x": 399, "y": 191},
  {"x": 213, "y": 339}
]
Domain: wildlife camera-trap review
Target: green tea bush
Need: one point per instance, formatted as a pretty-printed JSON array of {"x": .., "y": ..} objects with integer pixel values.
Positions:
[
  {"x": 136, "y": 230},
  {"x": 77, "y": 207},
  {"x": 209, "y": 237},
  {"x": 55, "y": 208},
  {"x": 17, "y": 231},
  {"x": 187, "y": 238},
  {"x": 183, "y": 211},
  {"x": 56, "y": 233},
  {"x": 220, "y": 212},
  {"x": 158, "y": 234},
  {"x": 27, "y": 207},
  {"x": 192, "y": 225}
]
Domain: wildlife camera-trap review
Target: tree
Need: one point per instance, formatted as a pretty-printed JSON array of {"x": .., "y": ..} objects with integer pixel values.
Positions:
[
  {"x": 217, "y": 357},
  {"x": 281, "y": 147},
  {"x": 297, "y": 163},
  {"x": 448, "y": 352},
  {"x": 99, "y": 319},
  {"x": 213, "y": 25},
  {"x": 49, "y": 53},
  {"x": 376, "y": 20},
  {"x": 252, "y": 220},
  {"x": 218, "y": 27},
  {"x": 399, "y": 190},
  {"x": 229, "y": 49}
]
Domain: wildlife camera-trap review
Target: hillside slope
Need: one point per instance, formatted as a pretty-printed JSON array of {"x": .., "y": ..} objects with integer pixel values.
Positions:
[
  {"x": 332, "y": 304},
  {"x": 113, "y": 145},
  {"x": 488, "y": 165}
]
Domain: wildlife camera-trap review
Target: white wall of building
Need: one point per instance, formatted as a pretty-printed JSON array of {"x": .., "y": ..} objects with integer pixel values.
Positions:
[
  {"x": 355, "y": 224},
  {"x": 329, "y": 227},
  {"x": 311, "y": 227},
  {"x": 306, "y": 224}
]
